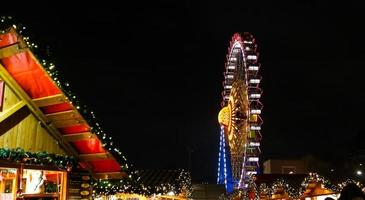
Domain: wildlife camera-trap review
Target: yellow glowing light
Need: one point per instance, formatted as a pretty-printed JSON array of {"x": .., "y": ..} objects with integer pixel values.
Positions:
[{"x": 224, "y": 116}]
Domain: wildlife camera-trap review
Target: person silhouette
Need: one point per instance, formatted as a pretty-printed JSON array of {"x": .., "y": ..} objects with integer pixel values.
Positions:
[{"x": 351, "y": 192}]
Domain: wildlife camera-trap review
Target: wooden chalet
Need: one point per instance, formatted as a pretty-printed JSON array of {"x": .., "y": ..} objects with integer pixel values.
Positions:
[
  {"x": 316, "y": 190},
  {"x": 292, "y": 186},
  {"x": 37, "y": 116}
]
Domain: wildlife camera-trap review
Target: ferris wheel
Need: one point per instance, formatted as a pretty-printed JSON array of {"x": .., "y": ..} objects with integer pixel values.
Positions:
[{"x": 239, "y": 117}]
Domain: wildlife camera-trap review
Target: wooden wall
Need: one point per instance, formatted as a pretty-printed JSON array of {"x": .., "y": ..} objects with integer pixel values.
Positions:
[
  {"x": 10, "y": 99},
  {"x": 27, "y": 133}
]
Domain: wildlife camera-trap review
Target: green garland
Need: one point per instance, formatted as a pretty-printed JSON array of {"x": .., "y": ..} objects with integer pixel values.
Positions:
[
  {"x": 7, "y": 22},
  {"x": 42, "y": 158}
]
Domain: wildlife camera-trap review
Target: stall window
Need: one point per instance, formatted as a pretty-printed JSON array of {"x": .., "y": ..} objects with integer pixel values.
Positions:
[
  {"x": 8, "y": 178},
  {"x": 43, "y": 183}
]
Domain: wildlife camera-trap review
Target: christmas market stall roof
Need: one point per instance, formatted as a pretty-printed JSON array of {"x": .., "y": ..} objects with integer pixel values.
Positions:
[
  {"x": 158, "y": 177},
  {"x": 149, "y": 183},
  {"x": 296, "y": 186},
  {"x": 56, "y": 110},
  {"x": 164, "y": 181}
]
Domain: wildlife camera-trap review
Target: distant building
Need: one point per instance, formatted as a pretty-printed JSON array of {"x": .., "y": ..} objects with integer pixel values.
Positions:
[{"x": 285, "y": 167}]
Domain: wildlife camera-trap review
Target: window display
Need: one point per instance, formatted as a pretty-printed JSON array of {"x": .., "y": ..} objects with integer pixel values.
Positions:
[
  {"x": 8, "y": 178},
  {"x": 38, "y": 182}
]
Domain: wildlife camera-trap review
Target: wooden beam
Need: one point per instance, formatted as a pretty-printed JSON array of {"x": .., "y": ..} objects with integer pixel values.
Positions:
[
  {"x": 10, "y": 50},
  {"x": 95, "y": 156},
  {"x": 110, "y": 175},
  {"x": 2, "y": 91},
  {"x": 15, "y": 87},
  {"x": 13, "y": 116},
  {"x": 79, "y": 136},
  {"x": 15, "y": 108},
  {"x": 68, "y": 122},
  {"x": 50, "y": 100},
  {"x": 65, "y": 115}
]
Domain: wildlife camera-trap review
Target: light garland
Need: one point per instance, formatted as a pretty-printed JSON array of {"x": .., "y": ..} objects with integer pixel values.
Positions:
[
  {"x": 265, "y": 190},
  {"x": 349, "y": 181},
  {"x": 6, "y": 24},
  {"x": 316, "y": 178},
  {"x": 134, "y": 185},
  {"x": 293, "y": 193},
  {"x": 281, "y": 183}
]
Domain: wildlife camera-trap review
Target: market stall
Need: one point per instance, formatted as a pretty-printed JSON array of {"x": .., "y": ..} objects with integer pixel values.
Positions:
[{"x": 48, "y": 141}]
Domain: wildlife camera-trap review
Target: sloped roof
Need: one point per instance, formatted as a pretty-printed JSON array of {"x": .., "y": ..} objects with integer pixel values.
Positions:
[
  {"x": 157, "y": 177},
  {"x": 56, "y": 108}
]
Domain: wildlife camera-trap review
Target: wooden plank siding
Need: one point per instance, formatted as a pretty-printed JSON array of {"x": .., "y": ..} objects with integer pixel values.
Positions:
[
  {"x": 28, "y": 133},
  {"x": 30, "y": 136},
  {"x": 10, "y": 99}
]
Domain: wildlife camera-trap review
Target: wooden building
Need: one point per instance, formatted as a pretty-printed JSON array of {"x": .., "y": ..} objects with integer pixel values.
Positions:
[
  {"x": 39, "y": 121},
  {"x": 294, "y": 187}
]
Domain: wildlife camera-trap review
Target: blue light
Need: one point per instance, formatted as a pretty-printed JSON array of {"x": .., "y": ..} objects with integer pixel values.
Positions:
[{"x": 224, "y": 164}]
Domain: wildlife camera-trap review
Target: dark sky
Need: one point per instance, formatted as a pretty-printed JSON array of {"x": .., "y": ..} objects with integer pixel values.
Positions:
[{"x": 153, "y": 72}]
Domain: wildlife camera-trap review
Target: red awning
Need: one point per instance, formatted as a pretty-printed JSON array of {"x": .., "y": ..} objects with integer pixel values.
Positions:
[{"x": 37, "y": 83}]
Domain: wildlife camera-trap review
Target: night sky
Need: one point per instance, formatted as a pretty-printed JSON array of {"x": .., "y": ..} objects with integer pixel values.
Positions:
[{"x": 152, "y": 73}]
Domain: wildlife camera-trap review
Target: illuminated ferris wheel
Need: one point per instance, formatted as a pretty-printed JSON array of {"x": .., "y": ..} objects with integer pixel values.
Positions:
[{"x": 239, "y": 117}]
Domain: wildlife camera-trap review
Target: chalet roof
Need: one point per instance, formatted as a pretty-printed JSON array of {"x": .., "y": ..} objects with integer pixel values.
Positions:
[
  {"x": 294, "y": 180},
  {"x": 157, "y": 177},
  {"x": 161, "y": 180},
  {"x": 55, "y": 108}
]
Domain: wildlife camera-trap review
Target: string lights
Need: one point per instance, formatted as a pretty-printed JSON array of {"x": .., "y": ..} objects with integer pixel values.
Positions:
[
  {"x": 135, "y": 186},
  {"x": 281, "y": 187}
]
